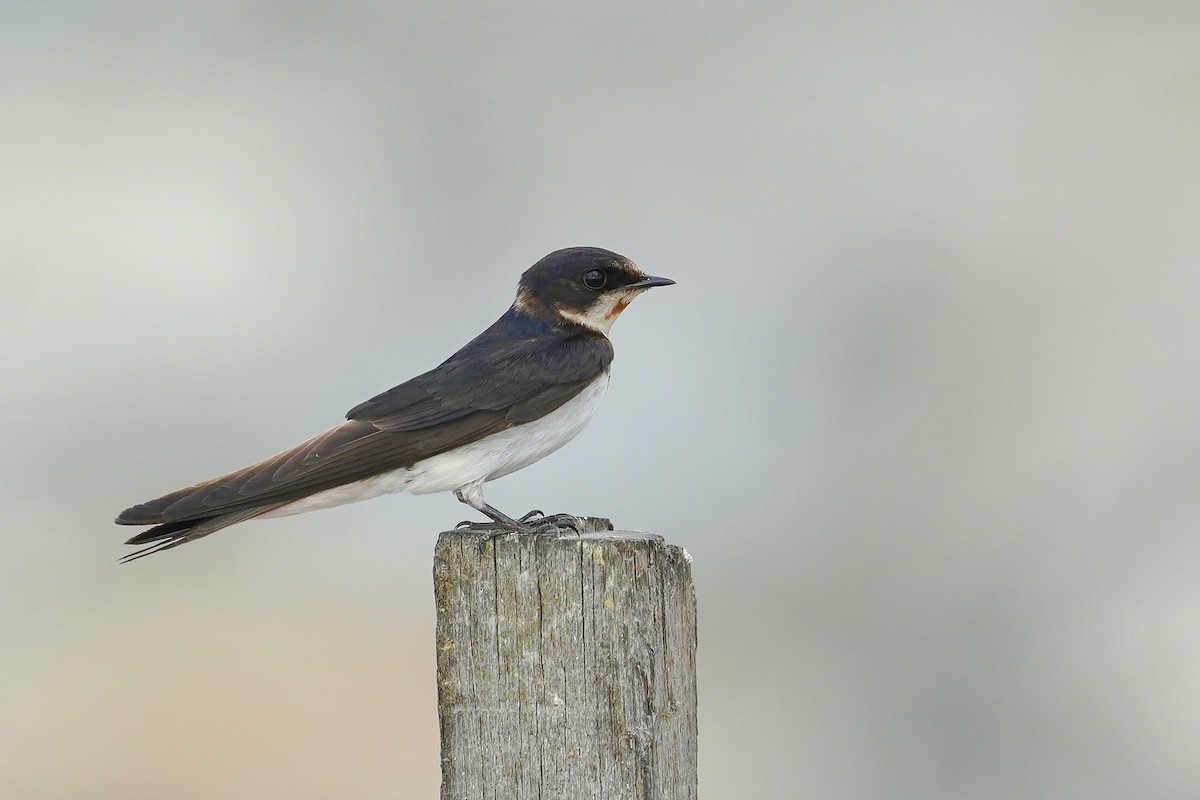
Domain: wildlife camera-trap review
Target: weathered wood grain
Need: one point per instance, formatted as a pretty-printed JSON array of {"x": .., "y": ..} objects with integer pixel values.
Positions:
[{"x": 566, "y": 666}]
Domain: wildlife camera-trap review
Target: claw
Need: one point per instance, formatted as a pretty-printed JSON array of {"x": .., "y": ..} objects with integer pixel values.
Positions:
[
  {"x": 537, "y": 520},
  {"x": 551, "y": 522},
  {"x": 482, "y": 546},
  {"x": 474, "y": 525}
]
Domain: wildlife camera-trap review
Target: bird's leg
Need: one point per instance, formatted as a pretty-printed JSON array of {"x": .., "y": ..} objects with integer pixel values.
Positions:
[
  {"x": 472, "y": 495},
  {"x": 500, "y": 518},
  {"x": 535, "y": 521}
]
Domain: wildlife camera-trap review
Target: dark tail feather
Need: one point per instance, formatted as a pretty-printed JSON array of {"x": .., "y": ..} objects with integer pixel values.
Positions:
[
  {"x": 172, "y": 534},
  {"x": 164, "y": 531}
]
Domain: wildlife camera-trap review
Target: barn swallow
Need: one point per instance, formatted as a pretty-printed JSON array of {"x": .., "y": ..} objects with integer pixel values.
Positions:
[{"x": 514, "y": 394}]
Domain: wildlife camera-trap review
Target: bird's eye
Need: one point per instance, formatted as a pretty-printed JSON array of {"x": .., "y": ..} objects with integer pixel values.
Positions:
[{"x": 595, "y": 279}]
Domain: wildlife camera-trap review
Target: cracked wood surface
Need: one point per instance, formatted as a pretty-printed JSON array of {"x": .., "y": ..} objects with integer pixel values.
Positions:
[{"x": 566, "y": 666}]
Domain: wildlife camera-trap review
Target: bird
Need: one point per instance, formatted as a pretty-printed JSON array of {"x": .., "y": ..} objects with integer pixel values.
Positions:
[{"x": 512, "y": 395}]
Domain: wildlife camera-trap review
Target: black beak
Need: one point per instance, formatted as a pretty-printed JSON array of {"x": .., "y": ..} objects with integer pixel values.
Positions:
[{"x": 648, "y": 282}]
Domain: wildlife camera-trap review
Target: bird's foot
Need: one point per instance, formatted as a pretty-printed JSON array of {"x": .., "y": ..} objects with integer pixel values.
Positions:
[
  {"x": 476, "y": 525},
  {"x": 498, "y": 520},
  {"x": 539, "y": 522},
  {"x": 535, "y": 523},
  {"x": 493, "y": 528}
]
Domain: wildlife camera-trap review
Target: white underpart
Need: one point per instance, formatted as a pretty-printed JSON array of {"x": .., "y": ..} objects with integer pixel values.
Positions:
[
  {"x": 601, "y": 314},
  {"x": 466, "y": 468}
]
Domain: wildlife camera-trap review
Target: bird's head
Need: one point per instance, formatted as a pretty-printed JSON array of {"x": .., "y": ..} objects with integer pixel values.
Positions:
[{"x": 586, "y": 286}]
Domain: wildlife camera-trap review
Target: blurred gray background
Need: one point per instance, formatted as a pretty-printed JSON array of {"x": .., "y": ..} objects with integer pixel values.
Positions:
[{"x": 923, "y": 405}]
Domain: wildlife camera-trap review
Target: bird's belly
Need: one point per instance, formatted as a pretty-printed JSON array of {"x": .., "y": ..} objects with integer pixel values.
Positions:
[
  {"x": 509, "y": 450},
  {"x": 367, "y": 488},
  {"x": 487, "y": 459}
]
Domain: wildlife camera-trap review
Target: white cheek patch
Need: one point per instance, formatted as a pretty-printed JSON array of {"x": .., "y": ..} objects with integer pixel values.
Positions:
[{"x": 601, "y": 314}]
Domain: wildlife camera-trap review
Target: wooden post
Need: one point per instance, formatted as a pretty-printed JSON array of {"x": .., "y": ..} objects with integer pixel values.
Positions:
[{"x": 566, "y": 666}]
